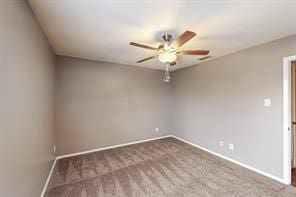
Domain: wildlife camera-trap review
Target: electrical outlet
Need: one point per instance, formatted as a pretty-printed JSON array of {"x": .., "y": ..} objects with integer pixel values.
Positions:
[
  {"x": 267, "y": 102},
  {"x": 156, "y": 129},
  {"x": 231, "y": 147},
  {"x": 221, "y": 143}
]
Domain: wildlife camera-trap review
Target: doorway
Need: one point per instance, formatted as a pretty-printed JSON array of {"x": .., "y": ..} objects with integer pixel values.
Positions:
[
  {"x": 293, "y": 121},
  {"x": 288, "y": 142}
]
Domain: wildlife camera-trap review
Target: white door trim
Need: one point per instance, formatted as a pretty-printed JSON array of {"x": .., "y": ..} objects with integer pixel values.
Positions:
[{"x": 287, "y": 118}]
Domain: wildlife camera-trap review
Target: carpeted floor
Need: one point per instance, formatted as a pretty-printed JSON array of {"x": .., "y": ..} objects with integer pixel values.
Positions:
[{"x": 165, "y": 167}]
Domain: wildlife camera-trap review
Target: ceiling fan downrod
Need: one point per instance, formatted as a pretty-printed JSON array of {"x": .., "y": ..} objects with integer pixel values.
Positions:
[{"x": 167, "y": 37}]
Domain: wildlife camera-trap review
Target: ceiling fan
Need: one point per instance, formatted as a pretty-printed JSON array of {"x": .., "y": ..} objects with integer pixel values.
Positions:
[{"x": 168, "y": 51}]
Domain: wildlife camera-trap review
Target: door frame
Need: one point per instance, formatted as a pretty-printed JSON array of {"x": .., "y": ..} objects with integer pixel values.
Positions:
[{"x": 287, "y": 145}]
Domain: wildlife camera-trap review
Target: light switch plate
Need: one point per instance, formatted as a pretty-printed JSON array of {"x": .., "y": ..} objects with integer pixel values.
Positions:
[
  {"x": 156, "y": 129},
  {"x": 231, "y": 146},
  {"x": 267, "y": 102}
]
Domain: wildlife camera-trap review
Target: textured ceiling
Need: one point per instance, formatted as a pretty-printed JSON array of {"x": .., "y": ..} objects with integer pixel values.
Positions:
[{"x": 102, "y": 29}]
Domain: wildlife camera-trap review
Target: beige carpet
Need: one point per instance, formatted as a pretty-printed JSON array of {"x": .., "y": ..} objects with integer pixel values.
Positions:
[{"x": 165, "y": 167}]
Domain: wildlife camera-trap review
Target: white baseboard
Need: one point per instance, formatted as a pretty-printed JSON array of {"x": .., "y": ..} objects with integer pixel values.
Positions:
[
  {"x": 48, "y": 178},
  {"x": 110, "y": 147},
  {"x": 234, "y": 161},
  {"x": 150, "y": 139}
]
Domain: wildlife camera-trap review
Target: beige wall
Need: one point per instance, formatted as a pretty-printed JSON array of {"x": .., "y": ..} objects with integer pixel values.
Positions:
[
  {"x": 26, "y": 102},
  {"x": 101, "y": 104},
  {"x": 222, "y": 99}
]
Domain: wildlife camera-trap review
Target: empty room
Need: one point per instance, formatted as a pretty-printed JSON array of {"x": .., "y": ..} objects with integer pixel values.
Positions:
[{"x": 146, "y": 98}]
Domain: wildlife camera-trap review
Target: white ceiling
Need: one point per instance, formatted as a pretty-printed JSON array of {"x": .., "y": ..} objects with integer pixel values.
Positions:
[{"x": 102, "y": 29}]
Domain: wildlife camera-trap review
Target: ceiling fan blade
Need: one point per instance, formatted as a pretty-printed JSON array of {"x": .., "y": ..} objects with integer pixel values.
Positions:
[
  {"x": 204, "y": 58},
  {"x": 142, "y": 46},
  {"x": 148, "y": 58},
  {"x": 182, "y": 39},
  {"x": 194, "y": 52}
]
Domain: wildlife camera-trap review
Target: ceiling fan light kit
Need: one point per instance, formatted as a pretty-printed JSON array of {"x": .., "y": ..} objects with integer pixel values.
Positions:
[
  {"x": 168, "y": 52},
  {"x": 167, "y": 57}
]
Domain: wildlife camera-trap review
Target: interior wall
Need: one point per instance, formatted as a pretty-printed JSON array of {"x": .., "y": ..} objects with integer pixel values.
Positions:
[
  {"x": 27, "y": 73},
  {"x": 223, "y": 99},
  {"x": 101, "y": 104}
]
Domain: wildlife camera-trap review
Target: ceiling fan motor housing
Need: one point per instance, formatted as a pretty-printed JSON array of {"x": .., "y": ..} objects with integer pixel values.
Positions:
[{"x": 167, "y": 37}]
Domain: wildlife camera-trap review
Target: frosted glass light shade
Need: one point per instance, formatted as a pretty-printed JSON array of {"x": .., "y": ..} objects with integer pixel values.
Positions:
[{"x": 167, "y": 57}]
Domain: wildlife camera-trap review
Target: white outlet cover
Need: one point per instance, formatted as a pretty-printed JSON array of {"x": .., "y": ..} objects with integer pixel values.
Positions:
[
  {"x": 221, "y": 143},
  {"x": 267, "y": 102},
  {"x": 231, "y": 146},
  {"x": 54, "y": 149},
  {"x": 156, "y": 129}
]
